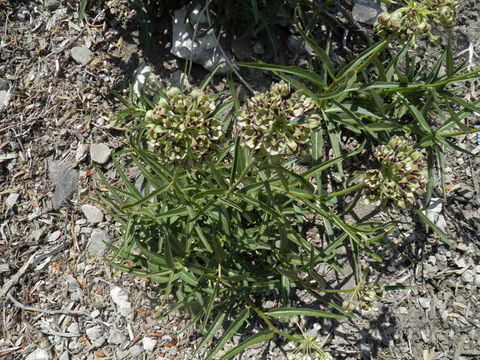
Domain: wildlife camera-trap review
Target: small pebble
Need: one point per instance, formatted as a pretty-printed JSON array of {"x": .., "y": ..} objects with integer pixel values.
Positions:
[
  {"x": 149, "y": 344},
  {"x": 258, "y": 49},
  {"x": 100, "y": 153},
  {"x": 94, "y": 333},
  {"x": 11, "y": 200},
  {"x": 468, "y": 276},
  {"x": 96, "y": 246},
  {"x": 93, "y": 214},
  {"x": 116, "y": 337},
  {"x": 424, "y": 302},
  {"x": 135, "y": 351},
  {"x": 54, "y": 236},
  {"x": 39, "y": 354},
  {"x": 81, "y": 54}
]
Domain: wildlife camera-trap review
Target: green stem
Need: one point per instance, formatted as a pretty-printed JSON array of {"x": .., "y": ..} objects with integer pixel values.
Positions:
[
  {"x": 273, "y": 327},
  {"x": 456, "y": 133},
  {"x": 343, "y": 192},
  {"x": 241, "y": 177}
]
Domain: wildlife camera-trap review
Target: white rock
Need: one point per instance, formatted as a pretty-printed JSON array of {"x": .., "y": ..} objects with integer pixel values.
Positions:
[
  {"x": 4, "y": 98},
  {"x": 140, "y": 76},
  {"x": 468, "y": 276},
  {"x": 100, "y": 153},
  {"x": 39, "y": 354},
  {"x": 54, "y": 236},
  {"x": 135, "y": 351},
  {"x": 198, "y": 16},
  {"x": 81, "y": 152},
  {"x": 93, "y": 214},
  {"x": 149, "y": 344},
  {"x": 96, "y": 246},
  {"x": 116, "y": 337},
  {"x": 94, "y": 333},
  {"x": 366, "y": 11},
  {"x": 4, "y": 268},
  {"x": 424, "y": 302},
  {"x": 120, "y": 298},
  {"x": 202, "y": 50},
  {"x": 73, "y": 328},
  {"x": 81, "y": 54},
  {"x": 11, "y": 200}
]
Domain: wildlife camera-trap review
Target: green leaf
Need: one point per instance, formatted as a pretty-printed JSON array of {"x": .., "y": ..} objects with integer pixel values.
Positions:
[
  {"x": 230, "y": 332},
  {"x": 287, "y": 312},
  {"x": 293, "y": 70},
  {"x": 252, "y": 340},
  {"x": 432, "y": 226}
]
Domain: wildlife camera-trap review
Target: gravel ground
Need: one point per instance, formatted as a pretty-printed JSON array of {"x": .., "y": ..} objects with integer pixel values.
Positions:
[{"x": 61, "y": 301}]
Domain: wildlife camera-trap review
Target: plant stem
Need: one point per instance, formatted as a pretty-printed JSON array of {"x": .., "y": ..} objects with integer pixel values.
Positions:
[
  {"x": 273, "y": 327},
  {"x": 344, "y": 191},
  {"x": 241, "y": 177}
]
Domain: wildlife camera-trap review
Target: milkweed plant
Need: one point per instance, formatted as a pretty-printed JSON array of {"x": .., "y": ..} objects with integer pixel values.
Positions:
[{"x": 214, "y": 200}]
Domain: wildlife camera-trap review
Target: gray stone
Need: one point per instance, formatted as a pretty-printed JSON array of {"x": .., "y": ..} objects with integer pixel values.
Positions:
[
  {"x": 120, "y": 298},
  {"x": 94, "y": 333},
  {"x": 81, "y": 54},
  {"x": 64, "y": 356},
  {"x": 54, "y": 236},
  {"x": 460, "y": 262},
  {"x": 187, "y": 45},
  {"x": 4, "y": 268},
  {"x": 468, "y": 276},
  {"x": 100, "y": 153},
  {"x": 66, "y": 181},
  {"x": 11, "y": 200},
  {"x": 39, "y": 354},
  {"x": 135, "y": 351},
  {"x": 366, "y": 11},
  {"x": 93, "y": 214},
  {"x": 4, "y": 98},
  {"x": 140, "y": 76},
  {"x": 149, "y": 344},
  {"x": 99, "y": 342},
  {"x": 51, "y": 4},
  {"x": 464, "y": 193},
  {"x": 424, "y": 303},
  {"x": 73, "y": 328},
  {"x": 296, "y": 44},
  {"x": 258, "y": 49},
  {"x": 96, "y": 246},
  {"x": 116, "y": 337},
  {"x": 4, "y": 85},
  {"x": 242, "y": 48},
  {"x": 477, "y": 279},
  {"x": 179, "y": 79}
]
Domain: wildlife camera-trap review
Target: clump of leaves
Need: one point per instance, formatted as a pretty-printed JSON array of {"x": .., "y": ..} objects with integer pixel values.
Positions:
[
  {"x": 229, "y": 229},
  {"x": 412, "y": 19}
]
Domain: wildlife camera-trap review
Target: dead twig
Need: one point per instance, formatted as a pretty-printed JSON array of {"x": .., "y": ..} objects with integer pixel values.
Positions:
[
  {"x": 15, "y": 278},
  {"x": 18, "y": 304}
]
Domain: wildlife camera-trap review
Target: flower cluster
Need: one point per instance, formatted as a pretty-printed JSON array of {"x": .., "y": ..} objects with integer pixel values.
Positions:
[
  {"x": 275, "y": 122},
  {"x": 402, "y": 175},
  {"x": 182, "y": 128},
  {"x": 413, "y": 20}
]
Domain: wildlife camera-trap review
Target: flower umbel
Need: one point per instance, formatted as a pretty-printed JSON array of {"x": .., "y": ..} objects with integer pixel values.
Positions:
[
  {"x": 413, "y": 19},
  {"x": 402, "y": 175},
  {"x": 275, "y": 122},
  {"x": 182, "y": 128}
]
